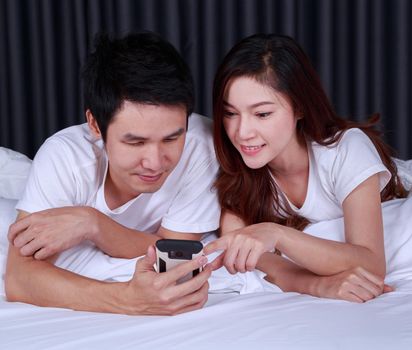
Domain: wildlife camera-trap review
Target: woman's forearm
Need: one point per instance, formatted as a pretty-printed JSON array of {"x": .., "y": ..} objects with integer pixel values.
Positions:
[
  {"x": 355, "y": 285},
  {"x": 326, "y": 257},
  {"x": 288, "y": 276}
]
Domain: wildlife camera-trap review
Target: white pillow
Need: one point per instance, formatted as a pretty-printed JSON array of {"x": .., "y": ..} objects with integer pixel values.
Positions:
[
  {"x": 405, "y": 173},
  {"x": 7, "y": 216},
  {"x": 14, "y": 169},
  {"x": 397, "y": 223}
]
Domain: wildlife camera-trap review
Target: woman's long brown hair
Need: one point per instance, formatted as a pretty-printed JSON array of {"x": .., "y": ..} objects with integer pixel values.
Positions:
[{"x": 279, "y": 62}]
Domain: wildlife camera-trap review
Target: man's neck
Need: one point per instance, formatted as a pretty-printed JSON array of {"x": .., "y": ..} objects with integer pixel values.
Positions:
[{"x": 115, "y": 196}]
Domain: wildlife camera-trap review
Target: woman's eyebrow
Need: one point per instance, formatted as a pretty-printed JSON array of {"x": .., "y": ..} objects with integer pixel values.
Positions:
[{"x": 257, "y": 104}]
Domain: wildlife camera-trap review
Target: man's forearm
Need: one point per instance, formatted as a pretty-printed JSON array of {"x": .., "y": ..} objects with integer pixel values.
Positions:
[
  {"x": 28, "y": 280},
  {"x": 117, "y": 240},
  {"x": 121, "y": 242}
]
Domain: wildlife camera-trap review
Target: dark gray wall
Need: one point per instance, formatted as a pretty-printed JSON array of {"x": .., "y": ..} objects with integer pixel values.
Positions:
[{"x": 361, "y": 49}]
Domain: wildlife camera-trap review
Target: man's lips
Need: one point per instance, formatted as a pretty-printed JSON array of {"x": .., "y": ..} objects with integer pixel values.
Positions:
[
  {"x": 251, "y": 150},
  {"x": 150, "y": 178}
]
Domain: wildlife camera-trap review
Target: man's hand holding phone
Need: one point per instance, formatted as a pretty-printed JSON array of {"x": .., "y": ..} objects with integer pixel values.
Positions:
[{"x": 159, "y": 293}]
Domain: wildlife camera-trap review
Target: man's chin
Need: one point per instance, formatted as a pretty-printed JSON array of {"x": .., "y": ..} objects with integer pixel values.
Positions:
[{"x": 149, "y": 187}]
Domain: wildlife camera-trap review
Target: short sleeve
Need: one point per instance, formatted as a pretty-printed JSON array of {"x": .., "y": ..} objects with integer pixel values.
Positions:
[
  {"x": 195, "y": 208},
  {"x": 356, "y": 160},
  {"x": 51, "y": 182}
]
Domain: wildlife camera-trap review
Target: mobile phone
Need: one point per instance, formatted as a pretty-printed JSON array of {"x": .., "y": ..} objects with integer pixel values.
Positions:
[{"x": 172, "y": 252}]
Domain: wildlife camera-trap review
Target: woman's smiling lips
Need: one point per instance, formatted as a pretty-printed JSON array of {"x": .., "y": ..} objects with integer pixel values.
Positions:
[{"x": 251, "y": 150}]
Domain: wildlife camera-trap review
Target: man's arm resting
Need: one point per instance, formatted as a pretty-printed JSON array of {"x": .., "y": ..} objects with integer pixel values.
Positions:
[
  {"x": 119, "y": 241},
  {"x": 47, "y": 232},
  {"x": 41, "y": 283}
]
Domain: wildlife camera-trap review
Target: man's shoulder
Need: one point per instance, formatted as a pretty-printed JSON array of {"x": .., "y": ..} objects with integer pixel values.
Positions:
[
  {"x": 198, "y": 152},
  {"x": 72, "y": 134},
  {"x": 199, "y": 132},
  {"x": 200, "y": 123},
  {"x": 74, "y": 144}
]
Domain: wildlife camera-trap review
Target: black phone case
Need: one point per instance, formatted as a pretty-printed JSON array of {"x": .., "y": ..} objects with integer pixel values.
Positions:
[{"x": 172, "y": 252}]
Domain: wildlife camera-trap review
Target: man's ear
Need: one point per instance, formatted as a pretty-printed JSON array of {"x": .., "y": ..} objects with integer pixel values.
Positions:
[{"x": 91, "y": 121}]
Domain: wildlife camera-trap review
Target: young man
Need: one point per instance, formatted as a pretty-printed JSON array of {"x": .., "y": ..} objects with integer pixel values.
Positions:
[{"x": 141, "y": 169}]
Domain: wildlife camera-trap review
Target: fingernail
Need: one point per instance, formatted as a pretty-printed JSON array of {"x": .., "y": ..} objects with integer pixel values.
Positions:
[{"x": 202, "y": 260}]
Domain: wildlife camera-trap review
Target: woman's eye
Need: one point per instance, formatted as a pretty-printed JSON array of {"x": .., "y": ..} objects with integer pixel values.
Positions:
[
  {"x": 263, "y": 114},
  {"x": 228, "y": 114}
]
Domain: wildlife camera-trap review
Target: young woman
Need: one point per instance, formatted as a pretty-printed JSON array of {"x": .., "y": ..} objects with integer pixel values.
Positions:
[{"x": 287, "y": 159}]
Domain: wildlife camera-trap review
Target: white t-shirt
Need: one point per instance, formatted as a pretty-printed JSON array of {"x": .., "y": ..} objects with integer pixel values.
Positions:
[
  {"x": 70, "y": 168},
  {"x": 335, "y": 171}
]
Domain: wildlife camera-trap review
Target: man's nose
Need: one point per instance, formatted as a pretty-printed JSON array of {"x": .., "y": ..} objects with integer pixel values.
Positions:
[{"x": 152, "y": 159}]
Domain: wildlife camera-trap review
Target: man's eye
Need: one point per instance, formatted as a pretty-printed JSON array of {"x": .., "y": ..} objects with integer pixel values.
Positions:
[
  {"x": 170, "y": 140},
  {"x": 136, "y": 144}
]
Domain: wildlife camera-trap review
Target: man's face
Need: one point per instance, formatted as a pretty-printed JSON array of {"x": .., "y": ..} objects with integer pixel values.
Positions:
[{"x": 144, "y": 144}]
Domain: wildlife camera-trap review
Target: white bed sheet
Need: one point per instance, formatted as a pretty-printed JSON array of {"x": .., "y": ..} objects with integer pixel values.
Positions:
[
  {"x": 267, "y": 320},
  {"x": 259, "y": 317},
  {"x": 258, "y": 320}
]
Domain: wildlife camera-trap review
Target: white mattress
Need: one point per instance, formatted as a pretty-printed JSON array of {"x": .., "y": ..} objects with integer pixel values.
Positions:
[
  {"x": 268, "y": 319},
  {"x": 258, "y": 320}
]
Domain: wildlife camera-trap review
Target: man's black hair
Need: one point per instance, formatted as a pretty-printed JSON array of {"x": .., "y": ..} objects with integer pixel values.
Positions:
[{"x": 140, "y": 67}]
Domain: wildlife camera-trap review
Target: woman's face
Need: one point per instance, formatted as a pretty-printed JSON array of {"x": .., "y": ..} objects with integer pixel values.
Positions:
[{"x": 259, "y": 122}]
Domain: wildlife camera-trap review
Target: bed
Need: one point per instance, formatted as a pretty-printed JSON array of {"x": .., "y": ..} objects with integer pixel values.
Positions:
[{"x": 241, "y": 312}]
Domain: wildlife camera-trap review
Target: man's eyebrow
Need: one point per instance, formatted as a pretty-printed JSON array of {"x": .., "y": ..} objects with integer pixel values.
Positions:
[
  {"x": 129, "y": 137},
  {"x": 132, "y": 137},
  {"x": 178, "y": 132}
]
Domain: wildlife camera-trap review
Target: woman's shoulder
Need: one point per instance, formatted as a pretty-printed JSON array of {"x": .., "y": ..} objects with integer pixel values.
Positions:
[
  {"x": 351, "y": 147},
  {"x": 352, "y": 135},
  {"x": 347, "y": 139},
  {"x": 347, "y": 162},
  {"x": 356, "y": 144}
]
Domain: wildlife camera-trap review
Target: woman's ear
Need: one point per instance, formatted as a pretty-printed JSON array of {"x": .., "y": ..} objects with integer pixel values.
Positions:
[
  {"x": 93, "y": 126},
  {"x": 298, "y": 114}
]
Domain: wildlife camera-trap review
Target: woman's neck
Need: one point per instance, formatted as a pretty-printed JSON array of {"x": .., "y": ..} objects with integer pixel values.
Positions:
[{"x": 293, "y": 161}]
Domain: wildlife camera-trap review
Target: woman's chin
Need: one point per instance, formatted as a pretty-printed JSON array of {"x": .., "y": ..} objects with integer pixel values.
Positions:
[{"x": 254, "y": 164}]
